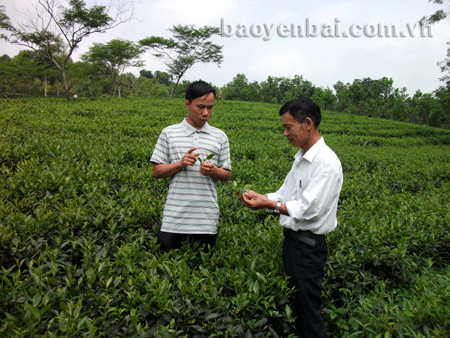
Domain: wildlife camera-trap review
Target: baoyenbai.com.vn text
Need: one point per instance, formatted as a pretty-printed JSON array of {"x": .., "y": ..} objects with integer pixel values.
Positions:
[{"x": 308, "y": 29}]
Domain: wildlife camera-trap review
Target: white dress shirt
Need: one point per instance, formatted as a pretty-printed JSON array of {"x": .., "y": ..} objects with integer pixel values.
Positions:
[{"x": 311, "y": 190}]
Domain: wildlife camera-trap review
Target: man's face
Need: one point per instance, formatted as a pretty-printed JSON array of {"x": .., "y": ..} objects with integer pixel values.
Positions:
[
  {"x": 297, "y": 133},
  {"x": 200, "y": 110}
]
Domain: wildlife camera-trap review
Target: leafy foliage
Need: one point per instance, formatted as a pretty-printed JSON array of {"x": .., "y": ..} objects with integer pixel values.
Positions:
[
  {"x": 60, "y": 30},
  {"x": 437, "y": 16},
  {"x": 274, "y": 90},
  {"x": 367, "y": 97},
  {"x": 379, "y": 98},
  {"x": 114, "y": 57},
  {"x": 190, "y": 46},
  {"x": 5, "y": 22},
  {"x": 80, "y": 210}
]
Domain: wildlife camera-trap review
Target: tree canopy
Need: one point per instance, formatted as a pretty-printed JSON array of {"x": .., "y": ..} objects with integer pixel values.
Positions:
[
  {"x": 114, "y": 57},
  {"x": 187, "y": 47},
  {"x": 437, "y": 16}
]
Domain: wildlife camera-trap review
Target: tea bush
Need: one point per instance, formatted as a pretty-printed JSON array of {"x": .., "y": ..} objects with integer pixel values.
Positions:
[{"x": 80, "y": 212}]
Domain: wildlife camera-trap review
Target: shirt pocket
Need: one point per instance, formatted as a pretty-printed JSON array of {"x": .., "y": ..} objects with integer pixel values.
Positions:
[{"x": 299, "y": 185}]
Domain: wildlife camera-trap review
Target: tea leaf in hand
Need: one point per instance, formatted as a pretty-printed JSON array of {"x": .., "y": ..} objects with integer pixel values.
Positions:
[{"x": 210, "y": 156}]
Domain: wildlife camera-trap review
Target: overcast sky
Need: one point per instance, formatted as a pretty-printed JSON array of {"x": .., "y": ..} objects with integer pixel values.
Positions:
[{"x": 325, "y": 42}]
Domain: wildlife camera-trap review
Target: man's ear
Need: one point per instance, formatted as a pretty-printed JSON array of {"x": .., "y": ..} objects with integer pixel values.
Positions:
[
  {"x": 309, "y": 123},
  {"x": 187, "y": 104}
]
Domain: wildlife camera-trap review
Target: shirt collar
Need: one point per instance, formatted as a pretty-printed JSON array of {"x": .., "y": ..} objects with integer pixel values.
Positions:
[
  {"x": 312, "y": 152},
  {"x": 189, "y": 129}
]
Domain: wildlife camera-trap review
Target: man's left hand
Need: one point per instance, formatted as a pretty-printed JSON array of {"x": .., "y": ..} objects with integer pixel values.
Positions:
[{"x": 207, "y": 168}]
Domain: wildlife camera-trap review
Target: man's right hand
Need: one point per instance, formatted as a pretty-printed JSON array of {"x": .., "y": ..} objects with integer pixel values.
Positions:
[{"x": 189, "y": 158}]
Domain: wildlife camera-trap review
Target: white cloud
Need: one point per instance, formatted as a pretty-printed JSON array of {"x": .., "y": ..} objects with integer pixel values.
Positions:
[
  {"x": 281, "y": 64},
  {"x": 343, "y": 11},
  {"x": 195, "y": 11}
]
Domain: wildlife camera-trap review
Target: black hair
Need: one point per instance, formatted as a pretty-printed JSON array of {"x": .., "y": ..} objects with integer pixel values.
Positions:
[
  {"x": 301, "y": 108},
  {"x": 197, "y": 89}
]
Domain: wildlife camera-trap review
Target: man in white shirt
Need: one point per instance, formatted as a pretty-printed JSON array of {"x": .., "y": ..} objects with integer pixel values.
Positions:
[{"x": 307, "y": 204}]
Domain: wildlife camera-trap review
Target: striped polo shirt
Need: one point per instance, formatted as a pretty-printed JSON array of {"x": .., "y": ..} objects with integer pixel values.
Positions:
[{"x": 191, "y": 204}]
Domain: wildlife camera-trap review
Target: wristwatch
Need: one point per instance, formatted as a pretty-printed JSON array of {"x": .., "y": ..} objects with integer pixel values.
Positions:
[{"x": 277, "y": 210}]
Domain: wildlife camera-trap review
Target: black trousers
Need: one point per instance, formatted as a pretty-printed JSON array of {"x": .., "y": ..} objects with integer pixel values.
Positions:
[
  {"x": 169, "y": 241},
  {"x": 306, "y": 267}
]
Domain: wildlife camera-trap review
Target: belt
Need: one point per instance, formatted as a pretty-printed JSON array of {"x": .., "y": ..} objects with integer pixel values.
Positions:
[{"x": 306, "y": 237}]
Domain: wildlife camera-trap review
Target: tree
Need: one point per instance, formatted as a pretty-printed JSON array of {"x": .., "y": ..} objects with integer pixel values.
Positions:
[
  {"x": 274, "y": 89},
  {"x": 5, "y": 23},
  {"x": 444, "y": 65},
  {"x": 28, "y": 69},
  {"x": 18, "y": 74},
  {"x": 128, "y": 82},
  {"x": 149, "y": 87},
  {"x": 188, "y": 47},
  {"x": 163, "y": 77},
  {"x": 299, "y": 87},
  {"x": 8, "y": 76},
  {"x": 47, "y": 72},
  {"x": 325, "y": 98},
  {"x": 443, "y": 97},
  {"x": 114, "y": 57},
  {"x": 146, "y": 73},
  {"x": 437, "y": 16},
  {"x": 237, "y": 89},
  {"x": 55, "y": 31},
  {"x": 86, "y": 79}
]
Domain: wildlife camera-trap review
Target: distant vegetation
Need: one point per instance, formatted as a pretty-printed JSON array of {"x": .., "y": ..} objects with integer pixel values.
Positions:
[
  {"x": 28, "y": 75},
  {"x": 46, "y": 67},
  {"x": 80, "y": 210}
]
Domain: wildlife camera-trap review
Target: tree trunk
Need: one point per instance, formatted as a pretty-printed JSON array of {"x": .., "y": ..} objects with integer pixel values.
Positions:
[
  {"x": 45, "y": 85},
  {"x": 66, "y": 84},
  {"x": 174, "y": 88}
]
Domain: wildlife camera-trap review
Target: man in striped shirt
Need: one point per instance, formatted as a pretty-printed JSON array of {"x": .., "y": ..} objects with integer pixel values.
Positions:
[{"x": 191, "y": 208}]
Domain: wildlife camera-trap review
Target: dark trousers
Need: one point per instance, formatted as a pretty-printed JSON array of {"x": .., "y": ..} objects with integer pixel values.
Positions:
[
  {"x": 306, "y": 266},
  {"x": 169, "y": 241}
]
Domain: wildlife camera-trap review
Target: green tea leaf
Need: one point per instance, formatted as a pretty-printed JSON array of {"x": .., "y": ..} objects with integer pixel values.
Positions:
[
  {"x": 212, "y": 316},
  {"x": 210, "y": 156}
]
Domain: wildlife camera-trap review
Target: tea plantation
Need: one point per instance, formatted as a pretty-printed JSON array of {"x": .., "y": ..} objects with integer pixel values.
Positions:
[{"x": 80, "y": 211}]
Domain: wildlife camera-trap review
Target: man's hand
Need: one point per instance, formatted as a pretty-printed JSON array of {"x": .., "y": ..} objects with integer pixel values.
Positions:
[
  {"x": 189, "y": 158},
  {"x": 254, "y": 201},
  {"x": 207, "y": 168}
]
